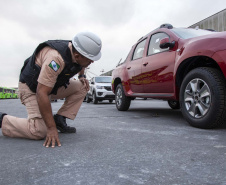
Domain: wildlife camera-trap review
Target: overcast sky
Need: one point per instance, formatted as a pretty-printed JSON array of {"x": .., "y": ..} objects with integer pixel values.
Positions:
[{"x": 119, "y": 23}]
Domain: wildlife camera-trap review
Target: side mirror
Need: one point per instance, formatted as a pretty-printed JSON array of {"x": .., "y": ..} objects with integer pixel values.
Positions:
[
  {"x": 92, "y": 83},
  {"x": 165, "y": 43}
]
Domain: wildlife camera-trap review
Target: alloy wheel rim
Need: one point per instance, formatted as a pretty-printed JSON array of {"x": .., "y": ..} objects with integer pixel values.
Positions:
[
  {"x": 197, "y": 98},
  {"x": 119, "y": 97}
]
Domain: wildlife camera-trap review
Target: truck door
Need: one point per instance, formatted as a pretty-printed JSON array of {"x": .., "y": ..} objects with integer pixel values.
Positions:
[
  {"x": 158, "y": 66},
  {"x": 134, "y": 68}
]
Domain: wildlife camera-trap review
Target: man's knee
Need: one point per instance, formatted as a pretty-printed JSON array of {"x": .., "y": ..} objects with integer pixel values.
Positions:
[{"x": 37, "y": 128}]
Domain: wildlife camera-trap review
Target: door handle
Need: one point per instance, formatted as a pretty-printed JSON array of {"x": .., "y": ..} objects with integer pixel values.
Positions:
[
  {"x": 146, "y": 63},
  {"x": 128, "y": 67}
]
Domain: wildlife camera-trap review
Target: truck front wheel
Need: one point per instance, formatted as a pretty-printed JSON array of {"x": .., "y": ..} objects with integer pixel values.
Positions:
[
  {"x": 203, "y": 98},
  {"x": 121, "y": 100}
]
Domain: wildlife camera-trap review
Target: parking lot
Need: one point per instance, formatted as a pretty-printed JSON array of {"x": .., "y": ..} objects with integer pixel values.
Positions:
[{"x": 148, "y": 144}]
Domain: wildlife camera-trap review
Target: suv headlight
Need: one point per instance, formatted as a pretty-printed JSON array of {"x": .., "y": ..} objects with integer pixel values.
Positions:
[{"x": 100, "y": 87}]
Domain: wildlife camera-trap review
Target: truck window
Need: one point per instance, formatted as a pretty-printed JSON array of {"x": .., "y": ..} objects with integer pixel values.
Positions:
[
  {"x": 154, "y": 43},
  {"x": 138, "y": 52}
]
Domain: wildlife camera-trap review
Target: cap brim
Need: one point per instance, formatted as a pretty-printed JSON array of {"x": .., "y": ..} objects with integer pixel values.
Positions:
[{"x": 95, "y": 58}]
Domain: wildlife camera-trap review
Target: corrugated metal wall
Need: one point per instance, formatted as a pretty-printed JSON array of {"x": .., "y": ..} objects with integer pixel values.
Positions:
[{"x": 216, "y": 22}]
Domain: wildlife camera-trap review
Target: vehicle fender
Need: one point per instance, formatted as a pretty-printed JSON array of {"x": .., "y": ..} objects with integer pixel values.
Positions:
[
  {"x": 190, "y": 50},
  {"x": 122, "y": 77},
  {"x": 220, "y": 58}
]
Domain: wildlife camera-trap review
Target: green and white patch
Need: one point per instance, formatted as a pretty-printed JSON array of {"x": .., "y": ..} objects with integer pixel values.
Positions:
[{"x": 54, "y": 65}]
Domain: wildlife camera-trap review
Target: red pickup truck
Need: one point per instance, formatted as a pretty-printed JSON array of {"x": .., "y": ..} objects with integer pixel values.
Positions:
[{"x": 185, "y": 66}]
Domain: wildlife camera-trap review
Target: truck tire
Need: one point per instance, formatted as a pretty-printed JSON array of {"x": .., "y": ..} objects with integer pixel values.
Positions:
[
  {"x": 121, "y": 100},
  {"x": 203, "y": 98},
  {"x": 174, "y": 104}
]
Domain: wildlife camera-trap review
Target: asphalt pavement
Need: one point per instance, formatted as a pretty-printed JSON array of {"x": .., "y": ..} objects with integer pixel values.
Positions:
[{"x": 148, "y": 144}]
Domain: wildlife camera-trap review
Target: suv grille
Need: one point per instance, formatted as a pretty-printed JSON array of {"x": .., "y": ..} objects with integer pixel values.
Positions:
[
  {"x": 108, "y": 88},
  {"x": 110, "y": 96}
]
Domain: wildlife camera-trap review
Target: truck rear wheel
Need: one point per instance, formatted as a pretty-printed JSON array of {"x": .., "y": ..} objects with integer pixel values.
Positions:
[{"x": 174, "y": 104}]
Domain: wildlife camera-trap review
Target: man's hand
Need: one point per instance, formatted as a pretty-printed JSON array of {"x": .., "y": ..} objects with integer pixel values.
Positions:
[
  {"x": 52, "y": 137},
  {"x": 85, "y": 81}
]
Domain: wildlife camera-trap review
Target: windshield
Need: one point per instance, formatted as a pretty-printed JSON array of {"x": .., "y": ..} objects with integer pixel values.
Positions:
[
  {"x": 186, "y": 33},
  {"x": 103, "y": 79}
]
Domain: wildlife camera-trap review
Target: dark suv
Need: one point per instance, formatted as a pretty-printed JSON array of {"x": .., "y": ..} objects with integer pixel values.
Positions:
[{"x": 185, "y": 66}]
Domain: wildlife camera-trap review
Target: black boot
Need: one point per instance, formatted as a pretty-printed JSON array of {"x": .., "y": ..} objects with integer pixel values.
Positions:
[
  {"x": 62, "y": 125},
  {"x": 1, "y": 118}
]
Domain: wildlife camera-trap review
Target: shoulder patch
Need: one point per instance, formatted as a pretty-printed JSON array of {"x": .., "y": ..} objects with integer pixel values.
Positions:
[{"x": 54, "y": 65}]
